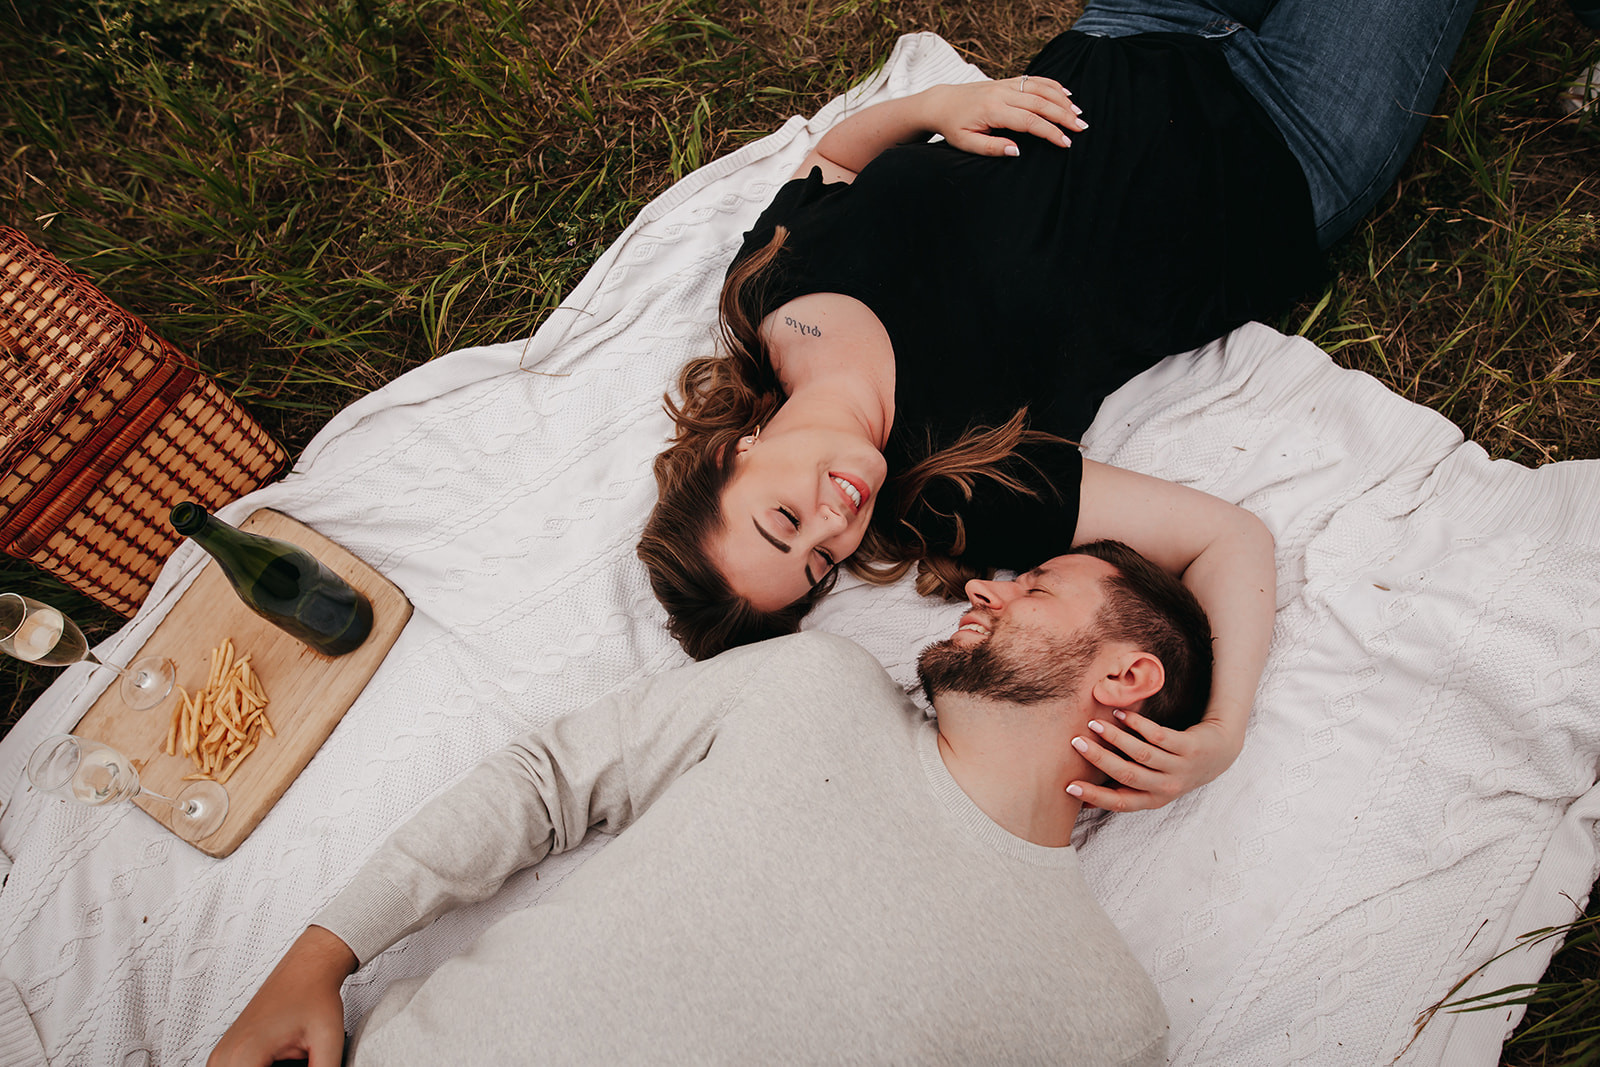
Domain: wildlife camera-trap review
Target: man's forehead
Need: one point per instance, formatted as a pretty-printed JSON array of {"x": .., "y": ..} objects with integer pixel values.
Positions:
[{"x": 1074, "y": 565}]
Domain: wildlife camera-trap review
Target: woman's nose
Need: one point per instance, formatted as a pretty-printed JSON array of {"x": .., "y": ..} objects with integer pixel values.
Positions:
[{"x": 832, "y": 520}]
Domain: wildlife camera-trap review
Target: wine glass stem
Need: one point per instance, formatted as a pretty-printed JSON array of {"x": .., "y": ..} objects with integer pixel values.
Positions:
[
  {"x": 169, "y": 801},
  {"x": 90, "y": 657}
]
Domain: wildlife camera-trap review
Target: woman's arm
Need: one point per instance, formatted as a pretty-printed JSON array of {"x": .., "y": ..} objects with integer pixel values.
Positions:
[
  {"x": 1224, "y": 554},
  {"x": 966, "y": 115}
]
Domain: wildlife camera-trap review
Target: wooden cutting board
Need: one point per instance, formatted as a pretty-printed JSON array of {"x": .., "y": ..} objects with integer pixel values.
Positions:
[{"x": 308, "y": 692}]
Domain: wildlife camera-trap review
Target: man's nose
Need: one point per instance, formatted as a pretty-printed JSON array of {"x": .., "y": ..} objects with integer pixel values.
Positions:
[{"x": 982, "y": 594}]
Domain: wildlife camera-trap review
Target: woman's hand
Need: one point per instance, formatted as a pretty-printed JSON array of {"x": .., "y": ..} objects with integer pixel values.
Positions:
[
  {"x": 968, "y": 115},
  {"x": 297, "y": 1013},
  {"x": 1154, "y": 765}
]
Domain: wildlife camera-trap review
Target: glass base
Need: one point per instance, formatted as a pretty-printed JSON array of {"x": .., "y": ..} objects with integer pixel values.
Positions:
[
  {"x": 146, "y": 682},
  {"x": 199, "y": 809}
]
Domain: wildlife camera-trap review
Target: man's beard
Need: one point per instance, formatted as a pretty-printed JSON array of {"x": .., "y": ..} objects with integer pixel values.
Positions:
[{"x": 999, "y": 669}]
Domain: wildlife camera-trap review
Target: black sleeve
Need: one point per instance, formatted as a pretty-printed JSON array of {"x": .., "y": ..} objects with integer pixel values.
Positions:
[
  {"x": 795, "y": 195},
  {"x": 1005, "y": 528}
]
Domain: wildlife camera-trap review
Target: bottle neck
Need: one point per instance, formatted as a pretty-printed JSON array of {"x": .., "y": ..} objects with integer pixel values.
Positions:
[{"x": 226, "y": 543}]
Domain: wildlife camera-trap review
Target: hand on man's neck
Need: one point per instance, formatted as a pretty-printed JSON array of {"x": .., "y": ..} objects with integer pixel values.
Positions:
[{"x": 1015, "y": 762}]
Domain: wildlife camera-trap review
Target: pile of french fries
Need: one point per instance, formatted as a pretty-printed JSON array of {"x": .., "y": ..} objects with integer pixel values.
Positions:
[{"x": 221, "y": 724}]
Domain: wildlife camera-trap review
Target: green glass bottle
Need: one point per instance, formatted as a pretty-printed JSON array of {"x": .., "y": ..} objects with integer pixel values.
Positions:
[{"x": 282, "y": 583}]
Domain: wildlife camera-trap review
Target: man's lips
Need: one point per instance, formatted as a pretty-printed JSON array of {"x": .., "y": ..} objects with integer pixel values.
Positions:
[{"x": 974, "y": 623}]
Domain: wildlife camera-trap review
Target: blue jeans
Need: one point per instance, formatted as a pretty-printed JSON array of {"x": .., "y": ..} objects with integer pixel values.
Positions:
[{"x": 1350, "y": 83}]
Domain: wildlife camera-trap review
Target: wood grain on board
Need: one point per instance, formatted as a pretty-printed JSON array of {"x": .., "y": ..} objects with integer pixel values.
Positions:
[{"x": 308, "y": 692}]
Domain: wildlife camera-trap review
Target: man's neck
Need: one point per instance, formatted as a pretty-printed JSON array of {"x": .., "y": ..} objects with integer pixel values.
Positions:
[{"x": 1014, "y": 763}]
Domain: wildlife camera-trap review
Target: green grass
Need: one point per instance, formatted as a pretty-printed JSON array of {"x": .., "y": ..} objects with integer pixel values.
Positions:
[{"x": 312, "y": 198}]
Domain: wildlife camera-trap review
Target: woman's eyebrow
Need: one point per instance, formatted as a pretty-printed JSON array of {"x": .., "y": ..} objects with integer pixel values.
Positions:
[
  {"x": 781, "y": 546},
  {"x": 762, "y": 530}
]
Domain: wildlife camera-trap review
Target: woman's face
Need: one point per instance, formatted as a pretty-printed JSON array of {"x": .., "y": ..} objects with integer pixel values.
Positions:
[{"x": 798, "y": 503}]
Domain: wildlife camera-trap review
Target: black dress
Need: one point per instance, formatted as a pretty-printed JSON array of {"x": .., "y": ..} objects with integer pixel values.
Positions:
[{"x": 1049, "y": 279}]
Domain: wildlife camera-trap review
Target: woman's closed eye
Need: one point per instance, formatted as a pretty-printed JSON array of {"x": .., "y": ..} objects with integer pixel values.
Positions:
[{"x": 794, "y": 521}]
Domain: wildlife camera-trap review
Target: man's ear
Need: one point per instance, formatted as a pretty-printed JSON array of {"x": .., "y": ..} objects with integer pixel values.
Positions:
[{"x": 1128, "y": 677}]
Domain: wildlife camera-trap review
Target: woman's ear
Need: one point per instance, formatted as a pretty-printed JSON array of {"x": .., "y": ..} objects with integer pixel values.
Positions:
[{"x": 1128, "y": 677}]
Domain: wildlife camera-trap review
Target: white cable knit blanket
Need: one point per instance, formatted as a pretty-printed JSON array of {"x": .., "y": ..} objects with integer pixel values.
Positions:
[{"x": 1418, "y": 786}]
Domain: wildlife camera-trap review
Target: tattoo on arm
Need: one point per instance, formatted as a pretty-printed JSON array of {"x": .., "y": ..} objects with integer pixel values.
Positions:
[{"x": 803, "y": 327}]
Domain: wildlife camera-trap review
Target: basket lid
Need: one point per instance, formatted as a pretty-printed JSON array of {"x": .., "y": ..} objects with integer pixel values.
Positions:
[{"x": 55, "y": 329}]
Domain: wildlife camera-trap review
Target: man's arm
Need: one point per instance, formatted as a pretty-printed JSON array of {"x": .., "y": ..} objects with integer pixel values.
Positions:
[
  {"x": 297, "y": 1013},
  {"x": 966, "y": 115},
  {"x": 1224, "y": 554},
  {"x": 598, "y": 767}
]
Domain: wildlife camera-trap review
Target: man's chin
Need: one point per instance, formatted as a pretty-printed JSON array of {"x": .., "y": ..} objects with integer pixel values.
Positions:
[{"x": 977, "y": 665}]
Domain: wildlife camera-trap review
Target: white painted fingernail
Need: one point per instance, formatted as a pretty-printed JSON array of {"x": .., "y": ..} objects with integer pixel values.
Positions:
[
  {"x": 1076, "y": 110},
  {"x": 1119, "y": 714},
  {"x": 1013, "y": 150},
  {"x": 1080, "y": 744},
  {"x": 1075, "y": 790},
  {"x": 1096, "y": 726}
]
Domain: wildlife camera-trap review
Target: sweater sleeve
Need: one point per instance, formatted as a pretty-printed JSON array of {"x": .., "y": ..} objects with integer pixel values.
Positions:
[
  {"x": 599, "y": 767},
  {"x": 19, "y": 1041}
]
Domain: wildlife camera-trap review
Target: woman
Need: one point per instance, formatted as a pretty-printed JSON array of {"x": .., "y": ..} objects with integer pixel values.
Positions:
[{"x": 917, "y": 332}]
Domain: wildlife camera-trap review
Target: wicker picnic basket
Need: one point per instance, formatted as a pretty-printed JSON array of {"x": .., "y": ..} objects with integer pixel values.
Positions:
[{"x": 103, "y": 427}]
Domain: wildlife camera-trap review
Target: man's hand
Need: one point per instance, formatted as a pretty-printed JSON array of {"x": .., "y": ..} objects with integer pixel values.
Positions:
[
  {"x": 1154, "y": 765},
  {"x": 297, "y": 1013}
]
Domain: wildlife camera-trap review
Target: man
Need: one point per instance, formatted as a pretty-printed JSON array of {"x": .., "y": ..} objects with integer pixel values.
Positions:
[{"x": 812, "y": 871}]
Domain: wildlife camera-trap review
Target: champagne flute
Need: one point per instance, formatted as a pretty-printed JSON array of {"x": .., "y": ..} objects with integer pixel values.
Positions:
[
  {"x": 91, "y": 772},
  {"x": 38, "y": 633}
]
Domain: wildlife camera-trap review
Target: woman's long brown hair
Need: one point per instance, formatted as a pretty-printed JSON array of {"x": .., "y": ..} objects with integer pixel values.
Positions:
[{"x": 726, "y": 397}]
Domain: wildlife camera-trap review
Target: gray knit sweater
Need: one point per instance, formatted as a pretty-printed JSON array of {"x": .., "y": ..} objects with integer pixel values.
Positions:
[{"x": 801, "y": 881}]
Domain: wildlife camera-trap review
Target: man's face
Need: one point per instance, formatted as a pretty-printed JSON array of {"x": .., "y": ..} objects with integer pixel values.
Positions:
[{"x": 1025, "y": 641}]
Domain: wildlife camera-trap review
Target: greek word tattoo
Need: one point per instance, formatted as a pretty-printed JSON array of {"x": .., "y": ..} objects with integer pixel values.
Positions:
[{"x": 804, "y": 327}]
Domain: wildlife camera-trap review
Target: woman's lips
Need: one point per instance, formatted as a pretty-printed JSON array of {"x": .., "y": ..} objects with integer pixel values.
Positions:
[{"x": 845, "y": 483}]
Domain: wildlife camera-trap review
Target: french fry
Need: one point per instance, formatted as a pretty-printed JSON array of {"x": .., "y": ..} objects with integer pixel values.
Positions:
[
  {"x": 221, "y": 724},
  {"x": 172, "y": 727}
]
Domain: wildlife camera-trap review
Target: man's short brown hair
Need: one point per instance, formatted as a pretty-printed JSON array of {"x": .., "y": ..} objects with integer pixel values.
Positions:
[{"x": 1153, "y": 611}]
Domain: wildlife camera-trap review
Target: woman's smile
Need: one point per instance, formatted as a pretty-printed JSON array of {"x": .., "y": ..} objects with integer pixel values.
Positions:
[{"x": 856, "y": 492}]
